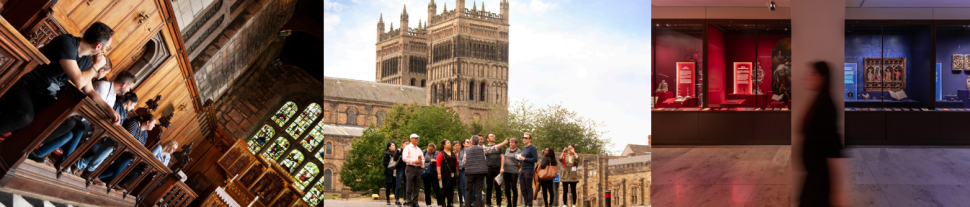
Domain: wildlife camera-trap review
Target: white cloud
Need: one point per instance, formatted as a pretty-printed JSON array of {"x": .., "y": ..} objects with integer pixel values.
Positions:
[
  {"x": 332, "y": 6},
  {"x": 330, "y": 21},
  {"x": 540, "y": 6}
]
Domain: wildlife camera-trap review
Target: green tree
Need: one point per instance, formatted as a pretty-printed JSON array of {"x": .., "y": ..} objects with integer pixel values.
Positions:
[
  {"x": 552, "y": 126},
  {"x": 364, "y": 170}
]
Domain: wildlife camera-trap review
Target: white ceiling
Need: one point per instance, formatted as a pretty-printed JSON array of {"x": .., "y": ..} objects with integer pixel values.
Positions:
[
  {"x": 907, "y": 3},
  {"x": 731, "y": 3}
]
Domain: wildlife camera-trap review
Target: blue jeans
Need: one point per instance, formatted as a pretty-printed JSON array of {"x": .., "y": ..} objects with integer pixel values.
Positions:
[
  {"x": 67, "y": 142},
  {"x": 400, "y": 190},
  {"x": 461, "y": 186},
  {"x": 101, "y": 152},
  {"x": 119, "y": 165}
]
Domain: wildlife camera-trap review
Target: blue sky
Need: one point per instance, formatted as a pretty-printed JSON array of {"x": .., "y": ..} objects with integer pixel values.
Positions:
[{"x": 593, "y": 57}]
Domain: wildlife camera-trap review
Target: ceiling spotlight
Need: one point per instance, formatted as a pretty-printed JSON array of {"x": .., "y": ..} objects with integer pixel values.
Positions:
[{"x": 771, "y": 5}]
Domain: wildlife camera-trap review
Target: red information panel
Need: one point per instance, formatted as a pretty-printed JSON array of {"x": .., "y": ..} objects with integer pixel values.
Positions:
[
  {"x": 742, "y": 78},
  {"x": 685, "y": 79}
]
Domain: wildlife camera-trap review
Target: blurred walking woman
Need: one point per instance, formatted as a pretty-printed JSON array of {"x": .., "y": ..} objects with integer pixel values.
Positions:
[
  {"x": 390, "y": 154},
  {"x": 825, "y": 183},
  {"x": 447, "y": 172},
  {"x": 570, "y": 174}
]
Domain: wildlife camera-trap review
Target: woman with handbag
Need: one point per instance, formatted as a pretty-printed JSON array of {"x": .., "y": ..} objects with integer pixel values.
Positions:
[
  {"x": 546, "y": 173},
  {"x": 391, "y": 158},
  {"x": 447, "y": 168}
]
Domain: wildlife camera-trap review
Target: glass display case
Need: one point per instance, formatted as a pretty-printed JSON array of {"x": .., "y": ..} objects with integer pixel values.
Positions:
[
  {"x": 742, "y": 65},
  {"x": 678, "y": 59},
  {"x": 889, "y": 65},
  {"x": 952, "y": 75}
]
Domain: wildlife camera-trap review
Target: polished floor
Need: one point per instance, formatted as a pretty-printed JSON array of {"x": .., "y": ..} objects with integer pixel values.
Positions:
[{"x": 761, "y": 176}]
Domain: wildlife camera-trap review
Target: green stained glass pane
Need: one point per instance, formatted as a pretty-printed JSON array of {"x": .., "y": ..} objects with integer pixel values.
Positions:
[
  {"x": 292, "y": 161},
  {"x": 285, "y": 113},
  {"x": 304, "y": 120},
  {"x": 315, "y": 137},
  {"x": 315, "y": 195},
  {"x": 306, "y": 175},
  {"x": 259, "y": 140},
  {"x": 277, "y": 149}
]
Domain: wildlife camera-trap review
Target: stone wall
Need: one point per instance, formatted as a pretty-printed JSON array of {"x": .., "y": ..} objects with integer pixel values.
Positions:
[{"x": 334, "y": 161}]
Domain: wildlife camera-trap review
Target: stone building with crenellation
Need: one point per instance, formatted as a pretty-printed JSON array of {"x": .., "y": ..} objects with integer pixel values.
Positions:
[{"x": 460, "y": 56}]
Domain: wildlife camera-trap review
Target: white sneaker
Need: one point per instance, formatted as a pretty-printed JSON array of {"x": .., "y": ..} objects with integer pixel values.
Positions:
[{"x": 564, "y": 206}]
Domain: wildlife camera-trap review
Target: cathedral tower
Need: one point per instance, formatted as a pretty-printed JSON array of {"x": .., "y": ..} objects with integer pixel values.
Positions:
[
  {"x": 402, "y": 54},
  {"x": 468, "y": 69}
]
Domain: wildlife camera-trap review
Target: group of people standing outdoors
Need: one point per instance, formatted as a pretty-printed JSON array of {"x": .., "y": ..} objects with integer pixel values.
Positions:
[{"x": 476, "y": 164}]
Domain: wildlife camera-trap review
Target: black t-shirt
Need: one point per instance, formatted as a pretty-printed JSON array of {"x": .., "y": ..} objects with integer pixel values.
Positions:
[
  {"x": 822, "y": 140},
  {"x": 48, "y": 79}
]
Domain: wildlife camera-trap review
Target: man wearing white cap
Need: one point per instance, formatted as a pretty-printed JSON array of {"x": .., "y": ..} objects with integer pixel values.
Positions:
[{"x": 412, "y": 155}]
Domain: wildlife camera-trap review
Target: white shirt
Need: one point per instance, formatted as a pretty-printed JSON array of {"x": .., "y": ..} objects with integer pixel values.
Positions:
[{"x": 106, "y": 90}]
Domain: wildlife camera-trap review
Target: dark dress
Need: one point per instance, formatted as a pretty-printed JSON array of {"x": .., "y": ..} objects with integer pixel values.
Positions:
[
  {"x": 389, "y": 173},
  {"x": 449, "y": 165},
  {"x": 822, "y": 142}
]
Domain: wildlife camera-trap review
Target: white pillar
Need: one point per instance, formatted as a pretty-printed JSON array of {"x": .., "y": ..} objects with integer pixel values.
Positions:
[{"x": 818, "y": 34}]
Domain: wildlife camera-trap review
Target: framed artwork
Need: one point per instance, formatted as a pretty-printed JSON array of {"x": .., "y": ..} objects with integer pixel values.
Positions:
[
  {"x": 959, "y": 61},
  {"x": 884, "y": 74}
]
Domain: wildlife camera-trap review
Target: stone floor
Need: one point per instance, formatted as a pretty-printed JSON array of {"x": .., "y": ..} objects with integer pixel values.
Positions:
[
  {"x": 761, "y": 176},
  {"x": 721, "y": 176}
]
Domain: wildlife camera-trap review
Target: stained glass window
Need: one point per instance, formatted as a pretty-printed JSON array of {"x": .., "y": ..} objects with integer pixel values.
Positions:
[
  {"x": 292, "y": 160},
  {"x": 320, "y": 154},
  {"x": 316, "y": 194},
  {"x": 277, "y": 149},
  {"x": 315, "y": 137},
  {"x": 307, "y": 174},
  {"x": 285, "y": 113},
  {"x": 260, "y": 139},
  {"x": 304, "y": 120}
]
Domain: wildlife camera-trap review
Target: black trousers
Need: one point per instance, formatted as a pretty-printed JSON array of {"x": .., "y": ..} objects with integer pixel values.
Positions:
[
  {"x": 568, "y": 187},
  {"x": 389, "y": 190},
  {"x": 413, "y": 175},
  {"x": 447, "y": 196},
  {"x": 490, "y": 180},
  {"x": 19, "y": 106},
  {"x": 547, "y": 192},
  {"x": 511, "y": 193},
  {"x": 431, "y": 187},
  {"x": 470, "y": 182}
]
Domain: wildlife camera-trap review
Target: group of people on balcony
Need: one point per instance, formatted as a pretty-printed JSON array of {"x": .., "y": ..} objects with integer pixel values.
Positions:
[
  {"x": 81, "y": 61},
  {"x": 471, "y": 165}
]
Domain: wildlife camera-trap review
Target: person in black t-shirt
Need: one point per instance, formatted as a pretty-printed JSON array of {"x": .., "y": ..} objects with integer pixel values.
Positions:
[
  {"x": 70, "y": 59},
  {"x": 826, "y": 178}
]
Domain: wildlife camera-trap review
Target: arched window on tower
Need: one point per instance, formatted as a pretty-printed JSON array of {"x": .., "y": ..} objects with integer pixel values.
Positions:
[
  {"x": 471, "y": 91},
  {"x": 292, "y": 160},
  {"x": 276, "y": 150},
  {"x": 306, "y": 175},
  {"x": 315, "y": 137},
  {"x": 481, "y": 92},
  {"x": 260, "y": 139},
  {"x": 285, "y": 113},
  {"x": 413, "y": 80},
  {"x": 422, "y": 83},
  {"x": 327, "y": 179}
]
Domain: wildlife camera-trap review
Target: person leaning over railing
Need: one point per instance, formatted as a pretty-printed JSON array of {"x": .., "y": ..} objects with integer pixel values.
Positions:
[
  {"x": 138, "y": 126},
  {"x": 163, "y": 152},
  {"x": 100, "y": 151},
  {"x": 109, "y": 91},
  {"x": 70, "y": 59}
]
